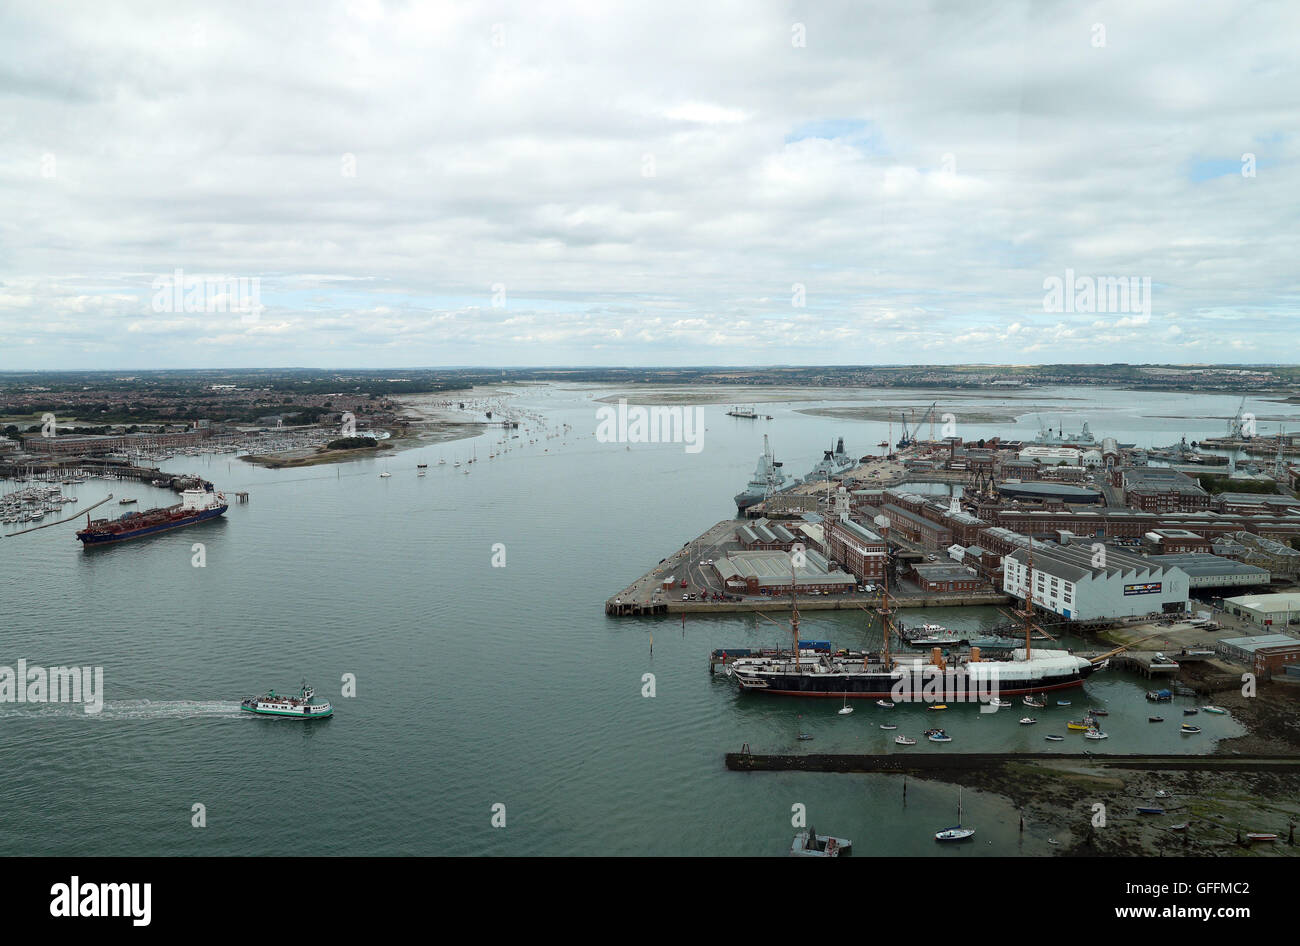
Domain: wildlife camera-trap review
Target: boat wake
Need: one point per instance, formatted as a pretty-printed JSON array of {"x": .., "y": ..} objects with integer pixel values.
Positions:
[{"x": 127, "y": 709}]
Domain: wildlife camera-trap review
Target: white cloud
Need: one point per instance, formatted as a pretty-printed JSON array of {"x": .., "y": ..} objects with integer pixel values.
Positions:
[{"x": 611, "y": 166}]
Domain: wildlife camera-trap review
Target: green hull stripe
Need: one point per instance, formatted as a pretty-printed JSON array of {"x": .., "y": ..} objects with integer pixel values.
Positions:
[{"x": 259, "y": 712}]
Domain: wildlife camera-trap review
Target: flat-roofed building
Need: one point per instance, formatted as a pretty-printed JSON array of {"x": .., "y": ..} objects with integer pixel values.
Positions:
[
  {"x": 1176, "y": 541},
  {"x": 1268, "y": 610},
  {"x": 946, "y": 576},
  {"x": 1085, "y": 584},
  {"x": 1161, "y": 489},
  {"x": 1265, "y": 654},
  {"x": 1052, "y": 455}
]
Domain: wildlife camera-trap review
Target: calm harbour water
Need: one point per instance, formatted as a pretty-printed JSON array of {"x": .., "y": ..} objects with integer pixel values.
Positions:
[{"x": 479, "y": 685}]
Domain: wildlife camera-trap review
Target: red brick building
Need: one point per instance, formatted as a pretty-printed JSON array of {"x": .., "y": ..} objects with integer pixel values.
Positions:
[
  {"x": 857, "y": 549},
  {"x": 946, "y": 576}
]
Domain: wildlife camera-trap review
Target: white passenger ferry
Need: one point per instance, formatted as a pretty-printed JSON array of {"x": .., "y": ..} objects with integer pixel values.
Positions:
[{"x": 303, "y": 706}]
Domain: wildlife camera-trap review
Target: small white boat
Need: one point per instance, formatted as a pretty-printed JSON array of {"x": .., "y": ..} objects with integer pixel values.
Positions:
[
  {"x": 1000, "y": 703},
  {"x": 1027, "y": 721},
  {"x": 847, "y": 710},
  {"x": 385, "y": 475},
  {"x": 1055, "y": 738},
  {"x": 1095, "y": 734},
  {"x": 1214, "y": 709},
  {"x": 1030, "y": 701},
  {"x": 888, "y": 726},
  {"x": 1062, "y": 702},
  {"x": 904, "y": 741},
  {"x": 885, "y": 703}
]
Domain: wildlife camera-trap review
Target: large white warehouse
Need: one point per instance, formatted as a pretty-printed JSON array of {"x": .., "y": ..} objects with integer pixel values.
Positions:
[{"x": 1083, "y": 584}]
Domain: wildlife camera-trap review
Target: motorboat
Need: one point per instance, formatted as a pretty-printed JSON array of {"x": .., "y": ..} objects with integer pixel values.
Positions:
[{"x": 1027, "y": 721}]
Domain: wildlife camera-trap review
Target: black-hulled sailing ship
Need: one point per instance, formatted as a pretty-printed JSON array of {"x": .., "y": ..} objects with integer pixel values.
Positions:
[{"x": 932, "y": 678}]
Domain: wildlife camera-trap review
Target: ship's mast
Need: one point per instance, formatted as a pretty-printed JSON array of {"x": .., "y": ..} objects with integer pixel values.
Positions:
[
  {"x": 1029, "y": 599},
  {"x": 794, "y": 615},
  {"x": 886, "y": 612}
]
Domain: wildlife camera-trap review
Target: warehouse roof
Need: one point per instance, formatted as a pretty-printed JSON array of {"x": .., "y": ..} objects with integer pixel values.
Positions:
[
  {"x": 1074, "y": 562},
  {"x": 774, "y": 568},
  {"x": 1201, "y": 564},
  {"x": 1259, "y": 641},
  {"x": 1283, "y": 601}
]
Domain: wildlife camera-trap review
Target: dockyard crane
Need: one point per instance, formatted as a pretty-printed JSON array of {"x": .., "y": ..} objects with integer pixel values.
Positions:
[{"x": 909, "y": 436}]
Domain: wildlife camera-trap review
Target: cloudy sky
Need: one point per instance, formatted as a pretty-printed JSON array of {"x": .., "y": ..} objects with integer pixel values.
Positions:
[{"x": 377, "y": 184}]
